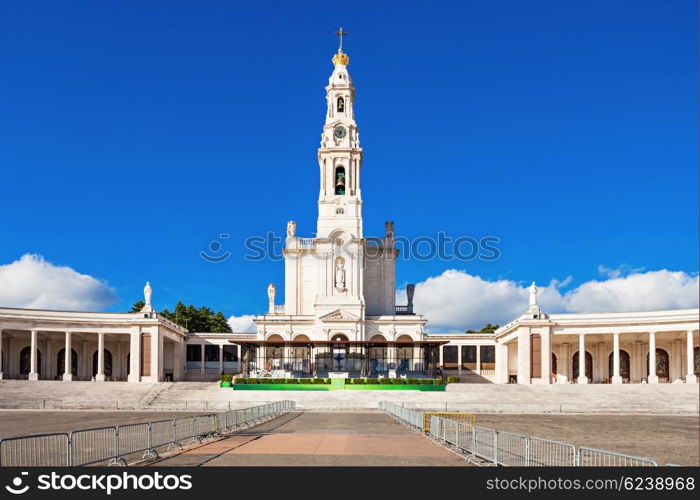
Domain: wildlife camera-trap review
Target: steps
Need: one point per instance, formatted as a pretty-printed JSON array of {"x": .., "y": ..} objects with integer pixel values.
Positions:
[{"x": 482, "y": 398}]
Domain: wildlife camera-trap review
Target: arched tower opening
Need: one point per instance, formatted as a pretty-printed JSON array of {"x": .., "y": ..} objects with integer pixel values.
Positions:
[{"x": 340, "y": 180}]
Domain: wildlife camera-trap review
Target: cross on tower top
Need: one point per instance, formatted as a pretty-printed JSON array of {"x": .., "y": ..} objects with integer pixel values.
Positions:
[{"x": 340, "y": 34}]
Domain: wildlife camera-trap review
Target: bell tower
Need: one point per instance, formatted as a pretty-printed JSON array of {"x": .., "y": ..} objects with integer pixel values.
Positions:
[{"x": 340, "y": 155}]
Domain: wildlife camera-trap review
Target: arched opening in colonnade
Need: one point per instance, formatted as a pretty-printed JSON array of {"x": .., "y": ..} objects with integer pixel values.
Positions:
[
  {"x": 107, "y": 363},
  {"x": 662, "y": 364},
  {"x": 61, "y": 362},
  {"x": 589, "y": 365},
  {"x": 624, "y": 365},
  {"x": 25, "y": 361}
]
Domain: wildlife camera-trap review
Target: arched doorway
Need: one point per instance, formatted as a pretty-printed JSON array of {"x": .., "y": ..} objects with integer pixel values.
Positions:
[
  {"x": 25, "y": 361},
  {"x": 554, "y": 365},
  {"x": 624, "y": 365},
  {"x": 404, "y": 353},
  {"x": 589, "y": 365},
  {"x": 274, "y": 353},
  {"x": 301, "y": 355},
  {"x": 661, "y": 364},
  {"x": 61, "y": 362},
  {"x": 696, "y": 352},
  {"x": 378, "y": 354},
  {"x": 108, "y": 363},
  {"x": 339, "y": 353}
]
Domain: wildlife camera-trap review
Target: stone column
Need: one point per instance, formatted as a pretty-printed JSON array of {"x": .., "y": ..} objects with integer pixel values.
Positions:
[
  {"x": 157, "y": 365},
  {"x": 690, "y": 377},
  {"x": 201, "y": 359},
  {"x": 134, "y": 355},
  {"x": 524, "y": 356},
  {"x": 100, "y": 375},
  {"x": 501, "y": 363},
  {"x": 1, "y": 367},
  {"x": 478, "y": 359},
  {"x": 442, "y": 365},
  {"x": 33, "y": 373},
  {"x": 68, "y": 359},
  {"x": 221, "y": 358},
  {"x": 652, "y": 378},
  {"x": 582, "y": 379},
  {"x": 616, "y": 378},
  {"x": 240, "y": 361},
  {"x": 546, "y": 355},
  {"x": 565, "y": 361},
  {"x": 459, "y": 359},
  {"x": 178, "y": 361}
]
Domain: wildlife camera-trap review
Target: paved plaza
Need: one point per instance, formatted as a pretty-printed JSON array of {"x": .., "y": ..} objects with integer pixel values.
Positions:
[
  {"x": 373, "y": 438},
  {"x": 307, "y": 438}
]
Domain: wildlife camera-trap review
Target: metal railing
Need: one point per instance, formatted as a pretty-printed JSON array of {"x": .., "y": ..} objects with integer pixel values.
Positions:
[
  {"x": 113, "y": 444},
  {"x": 591, "y": 457},
  {"x": 505, "y": 448}
]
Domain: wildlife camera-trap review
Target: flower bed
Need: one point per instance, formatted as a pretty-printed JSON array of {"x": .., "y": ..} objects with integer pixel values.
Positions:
[{"x": 327, "y": 384}]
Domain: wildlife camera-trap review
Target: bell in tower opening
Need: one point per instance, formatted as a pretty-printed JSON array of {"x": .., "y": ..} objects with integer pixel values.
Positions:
[
  {"x": 340, "y": 180},
  {"x": 341, "y": 105}
]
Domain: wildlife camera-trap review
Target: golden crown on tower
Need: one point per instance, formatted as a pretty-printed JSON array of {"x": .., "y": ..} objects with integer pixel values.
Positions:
[{"x": 341, "y": 58}]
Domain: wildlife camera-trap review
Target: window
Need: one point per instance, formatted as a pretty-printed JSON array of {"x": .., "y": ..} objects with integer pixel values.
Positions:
[
  {"x": 449, "y": 357},
  {"x": 230, "y": 357},
  {"x": 488, "y": 357},
  {"x": 211, "y": 356},
  {"x": 469, "y": 357},
  {"x": 341, "y": 105},
  {"x": 194, "y": 355}
]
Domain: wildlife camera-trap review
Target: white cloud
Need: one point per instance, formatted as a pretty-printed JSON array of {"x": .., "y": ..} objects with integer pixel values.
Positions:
[
  {"x": 242, "y": 324},
  {"x": 636, "y": 292},
  {"x": 32, "y": 282},
  {"x": 456, "y": 300}
]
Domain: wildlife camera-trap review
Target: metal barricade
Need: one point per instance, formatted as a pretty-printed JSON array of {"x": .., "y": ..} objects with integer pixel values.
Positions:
[
  {"x": 463, "y": 417},
  {"x": 162, "y": 434},
  {"x": 92, "y": 446},
  {"x": 548, "y": 453},
  {"x": 513, "y": 449},
  {"x": 465, "y": 438},
  {"x": 222, "y": 422},
  {"x": 592, "y": 457},
  {"x": 110, "y": 444},
  {"x": 42, "y": 450},
  {"x": 133, "y": 438},
  {"x": 485, "y": 444},
  {"x": 184, "y": 428}
]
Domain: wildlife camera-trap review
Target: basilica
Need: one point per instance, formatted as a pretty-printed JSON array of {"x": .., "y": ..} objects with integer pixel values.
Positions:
[
  {"x": 339, "y": 316},
  {"x": 339, "y": 312}
]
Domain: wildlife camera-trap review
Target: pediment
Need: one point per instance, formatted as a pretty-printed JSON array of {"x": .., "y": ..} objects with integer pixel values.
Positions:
[{"x": 339, "y": 315}]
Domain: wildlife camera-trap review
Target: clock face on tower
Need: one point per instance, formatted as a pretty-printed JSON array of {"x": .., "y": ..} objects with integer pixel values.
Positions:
[{"x": 339, "y": 132}]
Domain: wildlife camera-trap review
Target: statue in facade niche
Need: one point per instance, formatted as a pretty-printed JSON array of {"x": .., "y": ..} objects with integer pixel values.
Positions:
[
  {"x": 340, "y": 275},
  {"x": 291, "y": 229}
]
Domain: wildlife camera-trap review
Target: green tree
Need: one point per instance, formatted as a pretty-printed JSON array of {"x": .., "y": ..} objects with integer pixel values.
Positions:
[
  {"x": 488, "y": 328},
  {"x": 137, "y": 306},
  {"x": 194, "y": 319}
]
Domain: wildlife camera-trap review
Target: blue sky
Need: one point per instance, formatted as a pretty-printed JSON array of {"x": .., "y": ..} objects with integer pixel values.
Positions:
[{"x": 134, "y": 133}]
